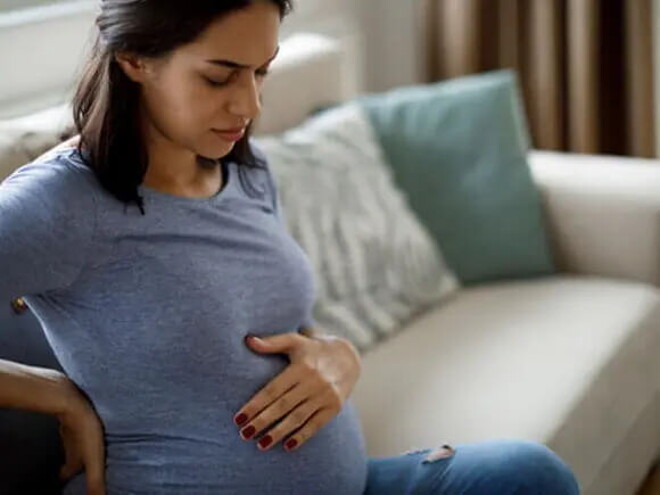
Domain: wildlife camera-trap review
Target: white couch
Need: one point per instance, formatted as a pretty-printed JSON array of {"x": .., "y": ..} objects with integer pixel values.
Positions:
[{"x": 572, "y": 361}]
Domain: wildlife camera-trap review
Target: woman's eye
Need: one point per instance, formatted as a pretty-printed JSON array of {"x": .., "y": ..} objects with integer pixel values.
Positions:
[
  {"x": 216, "y": 84},
  {"x": 261, "y": 73}
]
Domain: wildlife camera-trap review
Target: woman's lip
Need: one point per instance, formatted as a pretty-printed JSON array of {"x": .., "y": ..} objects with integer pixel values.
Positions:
[
  {"x": 235, "y": 130},
  {"x": 230, "y": 135}
]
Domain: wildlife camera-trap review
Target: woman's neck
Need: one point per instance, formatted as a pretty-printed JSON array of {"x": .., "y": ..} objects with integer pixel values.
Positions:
[{"x": 176, "y": 170}]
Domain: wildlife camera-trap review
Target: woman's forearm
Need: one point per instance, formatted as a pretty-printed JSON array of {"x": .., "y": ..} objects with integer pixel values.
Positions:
[{"x": 33, "y": 389}]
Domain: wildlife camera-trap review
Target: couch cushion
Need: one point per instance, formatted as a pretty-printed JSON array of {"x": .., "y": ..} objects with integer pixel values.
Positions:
[
  {"x": 25, "y": 138},
  {"x": 458, "y": 150},
  {"x": 375, "y": 265},
  {"x": 570, "y": 362}
]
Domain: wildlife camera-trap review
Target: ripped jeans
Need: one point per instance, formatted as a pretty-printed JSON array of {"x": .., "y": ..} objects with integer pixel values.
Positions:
[{"x": 503, "y": 467}]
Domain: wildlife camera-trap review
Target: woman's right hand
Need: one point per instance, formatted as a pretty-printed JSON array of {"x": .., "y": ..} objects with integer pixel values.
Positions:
[{"x": 81, "y": 431}]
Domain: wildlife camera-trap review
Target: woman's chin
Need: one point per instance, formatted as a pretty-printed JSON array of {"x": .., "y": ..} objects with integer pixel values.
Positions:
[{"x": 215, "y": 152}]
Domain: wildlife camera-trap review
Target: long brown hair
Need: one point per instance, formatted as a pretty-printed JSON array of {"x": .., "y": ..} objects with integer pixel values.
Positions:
[{"x": 106, "y": 101}]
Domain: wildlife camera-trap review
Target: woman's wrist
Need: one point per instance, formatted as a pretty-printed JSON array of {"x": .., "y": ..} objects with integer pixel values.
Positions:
[
  {"x": 67, "y": 400},
  {"x": 71, "y": 402},
  {"x": 58, "y": 392},
  {"x": 344, "y": 344}
]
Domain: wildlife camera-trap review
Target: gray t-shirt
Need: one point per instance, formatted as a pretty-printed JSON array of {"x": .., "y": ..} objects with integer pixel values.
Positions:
[{"x": 147, "y": 315}]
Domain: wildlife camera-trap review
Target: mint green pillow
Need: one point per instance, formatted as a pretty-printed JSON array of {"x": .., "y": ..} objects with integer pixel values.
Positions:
[{"x": 458, "y": 150}]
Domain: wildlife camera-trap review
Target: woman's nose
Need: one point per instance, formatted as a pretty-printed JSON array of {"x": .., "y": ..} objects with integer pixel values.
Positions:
[{"x": 246, "y": 99}]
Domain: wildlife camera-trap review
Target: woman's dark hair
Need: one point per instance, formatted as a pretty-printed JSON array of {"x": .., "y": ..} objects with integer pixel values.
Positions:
[{"x": 106, "y": 101}]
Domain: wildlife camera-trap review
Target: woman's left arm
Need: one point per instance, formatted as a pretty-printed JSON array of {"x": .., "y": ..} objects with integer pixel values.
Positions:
[{"x": 309, "y": 393}]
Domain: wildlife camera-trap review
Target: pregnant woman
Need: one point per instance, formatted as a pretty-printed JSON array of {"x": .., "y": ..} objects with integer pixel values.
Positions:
[{"x": 151, "y": 247}]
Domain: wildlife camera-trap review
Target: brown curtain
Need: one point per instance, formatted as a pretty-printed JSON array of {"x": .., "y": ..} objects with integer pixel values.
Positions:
[{"x": 585, "y": 66}]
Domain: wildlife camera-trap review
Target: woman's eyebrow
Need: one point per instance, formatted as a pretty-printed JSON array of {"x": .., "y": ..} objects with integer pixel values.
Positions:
[{"x": 235, "y": 65}]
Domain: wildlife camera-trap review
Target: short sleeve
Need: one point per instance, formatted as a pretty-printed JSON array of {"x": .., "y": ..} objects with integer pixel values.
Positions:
[{"x": 47, "y": 222}]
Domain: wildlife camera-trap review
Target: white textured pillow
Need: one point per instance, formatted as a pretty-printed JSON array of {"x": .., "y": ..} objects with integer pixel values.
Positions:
[{"x": 375, "y": 265}]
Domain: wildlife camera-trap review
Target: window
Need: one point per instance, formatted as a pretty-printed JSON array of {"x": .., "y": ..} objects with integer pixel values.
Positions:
[{"x": 24, "y": 4}]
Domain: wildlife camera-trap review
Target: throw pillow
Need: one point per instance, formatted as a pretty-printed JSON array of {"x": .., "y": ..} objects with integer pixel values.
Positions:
[
  {"x": 375, "y": 265},
  {"x": 458, "y": 149}
]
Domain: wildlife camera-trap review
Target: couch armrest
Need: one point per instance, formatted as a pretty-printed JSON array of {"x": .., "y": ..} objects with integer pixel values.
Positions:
[{"x": 603, "y": 213}]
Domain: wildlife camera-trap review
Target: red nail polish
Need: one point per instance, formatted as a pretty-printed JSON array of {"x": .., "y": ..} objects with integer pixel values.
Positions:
[
  {"x": 240, "y": 419},
  {"x": 248, "y": 432},
  {"x": 265, "y": 441},
  {"x": 291, "y": 443}
]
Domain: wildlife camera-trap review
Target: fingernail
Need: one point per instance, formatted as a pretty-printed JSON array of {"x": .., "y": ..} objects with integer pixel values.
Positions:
[
  {"x": 265, "y": 441},
  {"x": 291, "y": 443},
  {"x": 247, "y": 433},
  {"x": 240, "y": 419}
]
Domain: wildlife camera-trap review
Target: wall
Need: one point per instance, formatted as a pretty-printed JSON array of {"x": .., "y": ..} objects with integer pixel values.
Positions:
[
  {"x": 336, "y": 18},
  {"x": 393, "y": 34},
  {"x": 15, "y": 4},
  {"x": 385, "y": 35}
]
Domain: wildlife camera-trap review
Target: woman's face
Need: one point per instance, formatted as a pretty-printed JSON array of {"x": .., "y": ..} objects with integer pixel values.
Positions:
[{"x": 202, "y": 96}]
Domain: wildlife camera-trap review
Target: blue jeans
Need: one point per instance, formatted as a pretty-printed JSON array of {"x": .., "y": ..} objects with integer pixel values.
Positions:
[{"x": 503, "y": 467}]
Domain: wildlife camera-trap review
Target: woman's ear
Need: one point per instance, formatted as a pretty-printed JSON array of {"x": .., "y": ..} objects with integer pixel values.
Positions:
[{"x": 133, "y": 66}]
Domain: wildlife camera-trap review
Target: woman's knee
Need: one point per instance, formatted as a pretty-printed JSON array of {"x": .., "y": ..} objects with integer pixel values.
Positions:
[{"x": 533, "y": 468}]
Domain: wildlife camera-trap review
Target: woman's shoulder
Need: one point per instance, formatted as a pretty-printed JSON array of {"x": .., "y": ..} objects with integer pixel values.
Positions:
[
  {"x": 59, "y": 179},
  {"x": 62, "y": 166},
  {"x": 48, "y": 217}
]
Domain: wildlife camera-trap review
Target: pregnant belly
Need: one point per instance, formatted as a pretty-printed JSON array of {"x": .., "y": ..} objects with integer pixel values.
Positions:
[{"x": 332, "y": 462}]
